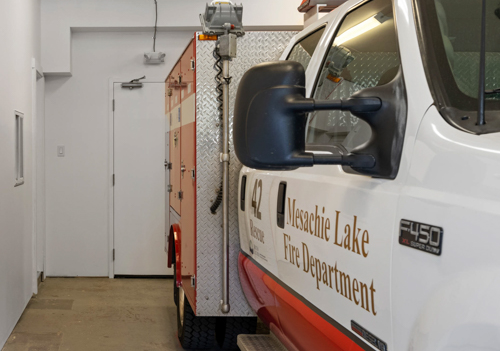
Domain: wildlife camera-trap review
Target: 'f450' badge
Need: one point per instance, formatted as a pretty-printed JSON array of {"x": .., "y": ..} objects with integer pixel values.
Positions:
[{"x": 420, "y": 236}]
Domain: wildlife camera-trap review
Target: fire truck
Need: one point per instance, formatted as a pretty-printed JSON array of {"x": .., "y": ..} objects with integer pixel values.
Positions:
[
  {"x": 370, "y": 200},
  {"x": 365, "y": 216},
  {"x": 203, "y": 241}
]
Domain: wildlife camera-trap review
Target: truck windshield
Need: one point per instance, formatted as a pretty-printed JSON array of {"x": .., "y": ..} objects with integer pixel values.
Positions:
[{"x": 450, "y": 31}]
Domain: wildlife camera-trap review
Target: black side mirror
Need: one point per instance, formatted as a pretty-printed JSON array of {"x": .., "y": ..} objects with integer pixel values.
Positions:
[{"x": 270, "y": 121}]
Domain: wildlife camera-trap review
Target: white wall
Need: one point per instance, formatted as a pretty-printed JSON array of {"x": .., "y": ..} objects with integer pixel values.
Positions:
[
  {"x": 77, "y": 117},
  {"x": 19, "y": 38},
  {"x": 60, "y": 17},
  {"x": 97, "y": 40}
]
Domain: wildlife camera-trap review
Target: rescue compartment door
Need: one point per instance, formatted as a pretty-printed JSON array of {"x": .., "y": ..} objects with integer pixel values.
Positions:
[{"x": 139, "y": 180}]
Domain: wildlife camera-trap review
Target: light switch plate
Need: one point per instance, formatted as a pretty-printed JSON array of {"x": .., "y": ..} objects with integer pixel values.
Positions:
[{"x": 60, "y": 151}]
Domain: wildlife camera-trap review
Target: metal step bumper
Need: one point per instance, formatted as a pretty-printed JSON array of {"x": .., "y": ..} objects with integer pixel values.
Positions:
[{"x": 260, "y": 342}]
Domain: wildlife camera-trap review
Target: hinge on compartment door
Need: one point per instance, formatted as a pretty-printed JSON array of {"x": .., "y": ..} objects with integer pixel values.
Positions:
[
  {"x": 113, "y": 104},
  {"x": 193, "y": 174},
  {"x": 169, "y": 92},
  {"x": 193, "y": 281},
  {"x": 113, "y": 180},
  {"x": 168, "y": 165},
  {"x": 113, "y": 254},
  {"x": 180, "y": 79},
  {"x": 192, "y": 65},
  {"x": 169, "y": 188},
  {"x": 181, "y": 194}
]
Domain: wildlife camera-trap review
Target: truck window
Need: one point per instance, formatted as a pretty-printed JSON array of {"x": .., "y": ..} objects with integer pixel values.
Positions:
[
  {"x": 452, "y": 59},
  {"x": 364, "y": 53},
  {"x": 304, "y": 49}
]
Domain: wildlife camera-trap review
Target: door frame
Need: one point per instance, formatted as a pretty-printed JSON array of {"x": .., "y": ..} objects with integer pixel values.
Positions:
[
  {"x": 111, "y": 157},
  {"x": 37, "y": 156}
]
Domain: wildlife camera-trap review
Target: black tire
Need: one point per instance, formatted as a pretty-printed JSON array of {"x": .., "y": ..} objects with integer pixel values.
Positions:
[
  {"x": 194, "y": 332},
  {"x": 228, "y": 329}
]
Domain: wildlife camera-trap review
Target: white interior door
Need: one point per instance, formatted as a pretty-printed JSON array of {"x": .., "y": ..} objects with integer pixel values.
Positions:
[{"x": 139, "y": 191}]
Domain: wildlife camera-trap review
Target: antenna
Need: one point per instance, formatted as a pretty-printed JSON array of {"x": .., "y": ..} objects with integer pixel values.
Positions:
[{"x": 481, "y": 118}]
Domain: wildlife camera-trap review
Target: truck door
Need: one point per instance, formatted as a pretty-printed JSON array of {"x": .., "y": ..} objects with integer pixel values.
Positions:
[
  {"x": 257, "y": 194},
  {"x": 335, "y": 228}
]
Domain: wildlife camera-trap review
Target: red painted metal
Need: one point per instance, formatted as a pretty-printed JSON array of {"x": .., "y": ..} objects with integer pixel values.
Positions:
[
  {"x": 259, "y": 290},
  {"x": 195, "y": 243},
  {"x": 175, "y": 230},
  {"x": 294, "y": 323}
]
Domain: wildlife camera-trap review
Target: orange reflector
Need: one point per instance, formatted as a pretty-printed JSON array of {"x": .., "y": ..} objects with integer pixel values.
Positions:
[
  {"x": 333, "y": 78},
  {"x": 207, "y": 37}
]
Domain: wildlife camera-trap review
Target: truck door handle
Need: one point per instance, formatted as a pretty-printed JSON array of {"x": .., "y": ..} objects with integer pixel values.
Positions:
[
  {"x": 280, "y": 209},
  {"x": 242, "y": 192}
]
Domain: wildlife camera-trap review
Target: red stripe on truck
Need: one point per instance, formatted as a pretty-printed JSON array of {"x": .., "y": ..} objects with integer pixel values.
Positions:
[{"x": 300, "y": 323}]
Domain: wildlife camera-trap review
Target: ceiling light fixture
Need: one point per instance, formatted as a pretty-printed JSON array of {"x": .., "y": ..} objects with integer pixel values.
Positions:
[{"x": 361, "y": 28}]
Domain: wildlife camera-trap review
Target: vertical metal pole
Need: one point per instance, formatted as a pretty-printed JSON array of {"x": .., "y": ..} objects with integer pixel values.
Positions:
[
  {"x": 481, "y": 119},
  {"x": 225, "y": 307}
]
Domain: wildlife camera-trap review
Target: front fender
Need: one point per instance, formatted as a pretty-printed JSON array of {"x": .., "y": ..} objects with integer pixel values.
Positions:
[{"x": 462, "y": 314}]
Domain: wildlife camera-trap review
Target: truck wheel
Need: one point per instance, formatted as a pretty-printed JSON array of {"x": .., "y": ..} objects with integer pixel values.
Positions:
[
  {"x": 193, "y": 332},
  {"x": 228, "y": 329}
]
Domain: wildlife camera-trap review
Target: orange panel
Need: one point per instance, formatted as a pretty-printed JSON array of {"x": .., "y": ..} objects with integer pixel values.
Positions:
[
  {"x": 188, "y": 177},
  {"x": 187, "y": 73},
  {"x": 175, "y": 138},
  {"x": 188, "y": 207},
  {"x": 167, "y": 97}
]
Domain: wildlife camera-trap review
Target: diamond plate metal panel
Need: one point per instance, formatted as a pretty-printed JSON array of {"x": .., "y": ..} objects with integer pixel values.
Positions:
[
  {"x": 466, "y": 71},
  {"x": 299, "y": 54},
  {"x": 253, "y": 48}
]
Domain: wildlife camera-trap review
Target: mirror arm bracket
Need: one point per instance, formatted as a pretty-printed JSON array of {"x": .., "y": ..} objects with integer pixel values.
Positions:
[
  {"x": 355, "y": 105},
  {"x": 352, "y": 160}
]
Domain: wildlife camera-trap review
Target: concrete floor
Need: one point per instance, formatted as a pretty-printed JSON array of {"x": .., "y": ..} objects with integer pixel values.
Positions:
[{"x": 93, "y": 314}]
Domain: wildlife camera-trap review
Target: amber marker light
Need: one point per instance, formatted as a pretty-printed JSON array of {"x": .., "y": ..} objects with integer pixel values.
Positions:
[{"x": 207, "y": 37}]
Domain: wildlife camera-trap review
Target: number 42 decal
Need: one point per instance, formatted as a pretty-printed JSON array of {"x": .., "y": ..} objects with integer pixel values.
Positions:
[{"x": 255, "y": 205}]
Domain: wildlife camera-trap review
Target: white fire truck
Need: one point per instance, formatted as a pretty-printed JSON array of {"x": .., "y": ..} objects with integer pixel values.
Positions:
[
  {"x": 369, "y": 206},
  {"x": 366, "y": 215}
]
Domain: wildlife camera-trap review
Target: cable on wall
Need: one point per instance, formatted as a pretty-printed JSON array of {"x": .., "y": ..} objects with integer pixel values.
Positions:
[
  {"x": 154, "y": 57},
  {"x": 156, "y": 25}
]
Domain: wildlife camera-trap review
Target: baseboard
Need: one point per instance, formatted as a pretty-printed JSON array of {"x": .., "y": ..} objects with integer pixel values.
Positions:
[
  {"x": 124, "y": 276},
  {"x": 39, "y": 279}
]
